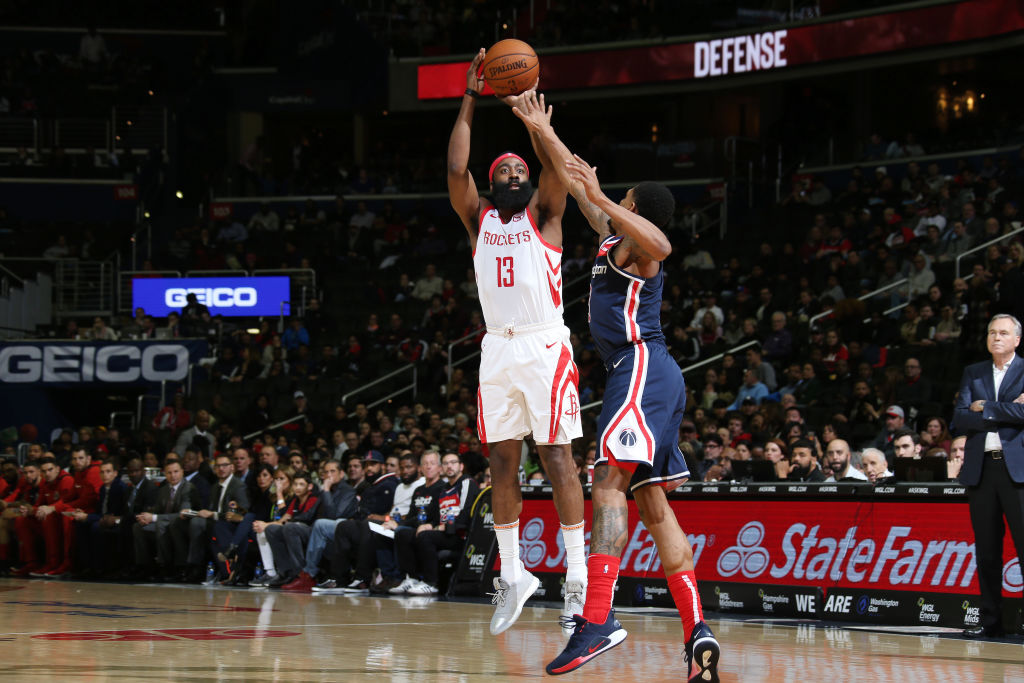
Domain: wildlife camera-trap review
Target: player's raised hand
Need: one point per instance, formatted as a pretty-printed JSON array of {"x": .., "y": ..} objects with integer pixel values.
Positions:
[
  {"x": 517, "y": 100},
  {"x": 474, "y": 81},
  {"x": 585, "y": 174},
  {"x": 529, "y": 106}
]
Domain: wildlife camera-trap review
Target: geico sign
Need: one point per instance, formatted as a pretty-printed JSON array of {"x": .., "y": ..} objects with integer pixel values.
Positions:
[
  {"x": 218, "y": 297},
  {"x": 109, "y": 363}
]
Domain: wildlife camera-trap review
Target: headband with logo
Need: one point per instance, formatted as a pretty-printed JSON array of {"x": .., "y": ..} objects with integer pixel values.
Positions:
[{"x": 506, "y": 155}]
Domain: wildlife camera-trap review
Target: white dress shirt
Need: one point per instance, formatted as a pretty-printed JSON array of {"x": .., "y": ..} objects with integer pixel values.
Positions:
[{"x": 992, "y": 442}]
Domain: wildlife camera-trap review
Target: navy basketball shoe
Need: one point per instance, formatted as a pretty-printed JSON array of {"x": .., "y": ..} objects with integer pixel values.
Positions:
[
  {"x": 702, "y": 651},
  {"x": 588, "y": 641}
]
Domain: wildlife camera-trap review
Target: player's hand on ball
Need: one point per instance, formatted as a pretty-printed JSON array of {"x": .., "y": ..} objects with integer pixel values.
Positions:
[
  {"x": 474, "y": 81},
  {"x": 582, "y": 172},
  {"x": 517, "y": 101}
]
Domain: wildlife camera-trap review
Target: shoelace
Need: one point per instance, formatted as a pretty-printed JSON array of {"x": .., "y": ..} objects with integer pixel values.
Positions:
[
  {"x": 566, "y": 622},
  {"x": 498, "y": 597}
]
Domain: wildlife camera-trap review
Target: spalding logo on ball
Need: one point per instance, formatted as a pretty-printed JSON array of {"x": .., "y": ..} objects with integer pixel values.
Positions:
[
  {"x": 510, "y": 67},
  {"x": 627, "y": 437}
]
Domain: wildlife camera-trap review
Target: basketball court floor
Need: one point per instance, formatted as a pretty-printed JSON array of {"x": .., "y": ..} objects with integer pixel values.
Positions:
[{"x": 68, "y": 631}]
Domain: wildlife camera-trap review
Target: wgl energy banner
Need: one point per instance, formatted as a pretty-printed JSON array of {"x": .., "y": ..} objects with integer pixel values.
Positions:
[{"x": 78, "y": 364}]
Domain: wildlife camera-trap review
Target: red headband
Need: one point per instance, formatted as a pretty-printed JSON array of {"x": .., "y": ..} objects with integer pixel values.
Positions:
[{"x": 506, "y": 155}]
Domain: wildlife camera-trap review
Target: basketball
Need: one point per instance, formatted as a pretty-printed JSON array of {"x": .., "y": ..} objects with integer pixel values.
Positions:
[{"x": 510, "y": 67}]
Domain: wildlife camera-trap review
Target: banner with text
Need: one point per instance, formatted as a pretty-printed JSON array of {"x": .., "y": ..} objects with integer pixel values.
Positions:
[
  {"x": 859, "y": 560},
  {"x": 72, "y": 363},
  {"x": 757, "y": 51},
  {"x": 227, "y": 296}
]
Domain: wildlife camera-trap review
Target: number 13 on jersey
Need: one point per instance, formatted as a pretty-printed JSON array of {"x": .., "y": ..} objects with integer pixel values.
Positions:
[{"x": 506, "y": 274}]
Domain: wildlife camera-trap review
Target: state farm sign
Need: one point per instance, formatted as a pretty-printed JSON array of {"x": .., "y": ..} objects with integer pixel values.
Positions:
[{"x": 922, "y": 546}]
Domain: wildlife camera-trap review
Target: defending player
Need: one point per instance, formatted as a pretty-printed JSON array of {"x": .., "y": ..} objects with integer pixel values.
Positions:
[
  {"x": 643, "y": 406},
  {"x": 528, "y": 380}
]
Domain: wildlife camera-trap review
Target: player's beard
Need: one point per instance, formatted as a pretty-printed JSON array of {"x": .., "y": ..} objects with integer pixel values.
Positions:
[{"x": 513, "y": 199}]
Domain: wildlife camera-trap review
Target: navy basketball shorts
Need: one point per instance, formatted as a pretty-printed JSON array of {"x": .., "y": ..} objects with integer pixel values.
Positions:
[{"x": 639, "y": 423}]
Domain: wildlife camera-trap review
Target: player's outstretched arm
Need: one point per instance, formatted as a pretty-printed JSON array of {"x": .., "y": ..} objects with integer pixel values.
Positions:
[
  {"x": 461, "y": 187},
  {"x": 651, "y": 241},
  {"x": 531, "y": 109}
]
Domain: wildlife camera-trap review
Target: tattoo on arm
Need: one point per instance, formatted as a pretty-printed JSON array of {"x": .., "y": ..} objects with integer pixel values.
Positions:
[{"x": 608, "y": 536}]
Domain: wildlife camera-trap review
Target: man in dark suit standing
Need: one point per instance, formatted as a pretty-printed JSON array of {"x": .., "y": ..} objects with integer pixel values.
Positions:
[
  {"x": 990, "y": 412},
  {"x": 152, "y": 526}
]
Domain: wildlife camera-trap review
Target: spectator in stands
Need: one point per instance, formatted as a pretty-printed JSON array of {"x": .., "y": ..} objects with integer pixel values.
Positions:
[
  {"x": 906, "y": 443},
  {"x": 956, "y": 457},
  {"x": 803, "y": 463},
  {"x": 764, "y": 370},
  {"x": 916, "y": 389},
  {"x": 875, "y": 466},
  {"x": 282, "y": 492},
  {"x": 265, "y": 220},
  {"x": 354, "y": 548},
  {"x": 921, "y": 277},
  {"x": 428, "y": 286},
  {"x": 294, "y": 336},
  {"x": 894, "y": 420},
  {"x": 840, "y": 462},
  {"x": 936, "y": 434},
  {"x": 99, "y": 331},
  {"x": 289, "y": 548},
  {"x": 92, "y": 50},
  {"x": 338, "y": 503},
  {"x": 201, "y": 430}
]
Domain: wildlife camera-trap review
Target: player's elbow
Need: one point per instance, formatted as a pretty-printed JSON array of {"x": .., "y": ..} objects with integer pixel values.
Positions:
[{"x": 661, "y": 249}]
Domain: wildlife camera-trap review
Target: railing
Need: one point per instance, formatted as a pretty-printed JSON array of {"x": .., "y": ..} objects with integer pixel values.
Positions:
[
  {"x": 83, "y": 288},
  {"x": 137, "y": 128},
  {"x": 16, "y": 132},
  {"x": 302, "y": 285},
  {"x": 143, "y": 235},
  {"x": 451, "y": 348},
  {"x": 125, "y": 277},
  {"x": 690, "y": 368},
  {"x": 411, "y": 386},
  {"x": 986, "y": 245},
  {"x": 863, "y": 297},
  {"x": 282, "y": 423}
]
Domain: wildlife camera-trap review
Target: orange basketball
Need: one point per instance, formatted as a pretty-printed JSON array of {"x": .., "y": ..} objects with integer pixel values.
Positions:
[{"x": 510, "y": 67}]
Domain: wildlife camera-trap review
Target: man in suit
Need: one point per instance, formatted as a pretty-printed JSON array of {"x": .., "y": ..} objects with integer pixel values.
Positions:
[
  {"x": 191, "y": 535},
  {"x": 990, "y": 412},
  {"x": 152, "y": 526}
]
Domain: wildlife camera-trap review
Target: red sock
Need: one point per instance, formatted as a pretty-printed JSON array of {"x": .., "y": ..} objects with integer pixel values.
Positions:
[
  {"x": 602, "y": 570},
  {"x": 684, "y": 592}
]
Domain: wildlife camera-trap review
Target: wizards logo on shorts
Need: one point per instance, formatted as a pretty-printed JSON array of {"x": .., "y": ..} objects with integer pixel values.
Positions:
[{"x": 627, "y": 437}]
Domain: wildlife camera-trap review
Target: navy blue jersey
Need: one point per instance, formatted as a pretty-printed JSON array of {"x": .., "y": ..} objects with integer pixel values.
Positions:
[{"x": 625, "y": 309}]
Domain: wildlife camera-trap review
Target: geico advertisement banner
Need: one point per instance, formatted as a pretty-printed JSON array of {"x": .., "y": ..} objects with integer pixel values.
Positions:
[
  {"x": 922, "y": 546},
  {"x": 67, "y": 363},
  {"x": 227, "y": 296}
]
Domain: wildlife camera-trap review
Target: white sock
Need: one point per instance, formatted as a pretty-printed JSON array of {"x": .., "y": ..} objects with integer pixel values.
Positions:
[
  {"x": 572, "y": 538},
  {"x": 266, "y": 554},
  {"x": 508, "y": 550}
]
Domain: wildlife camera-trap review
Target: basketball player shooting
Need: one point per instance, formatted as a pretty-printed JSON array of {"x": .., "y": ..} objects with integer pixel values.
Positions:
[
  {"x": 528, "y": 380},
  {"x": 643, "y": 405}
]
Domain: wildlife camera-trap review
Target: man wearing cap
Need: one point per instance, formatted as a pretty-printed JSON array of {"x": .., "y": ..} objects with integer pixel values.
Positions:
[
  {"x": 894, "y": 419},
  {"x": 990, "y": 411},
  {"x": 528, "y": 380}
]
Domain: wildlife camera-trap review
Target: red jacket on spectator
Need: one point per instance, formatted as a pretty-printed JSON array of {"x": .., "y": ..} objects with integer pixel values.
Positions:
[
  {"x": 86, "y": 490},
  {"x": 51, "y": 493}
]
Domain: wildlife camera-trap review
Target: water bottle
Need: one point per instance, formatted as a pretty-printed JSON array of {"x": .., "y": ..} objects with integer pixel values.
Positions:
[
  {"x": 396, "y": 516},
  {"x": 258, "y": 572},
  {"x": 421, "y": 516},
  {"x": 211, "y": 572}
]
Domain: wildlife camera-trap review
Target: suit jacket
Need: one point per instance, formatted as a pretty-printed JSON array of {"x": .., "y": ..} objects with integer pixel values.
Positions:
[
  {"x": 114, "y": 498},
  {"x": 237, "y": 492},
  {"x": 186, "y": 498},
  {"x": 203, "y": 486},
  {"x": 1000, "y": 415},
  {"x": 141, "y": 498}
]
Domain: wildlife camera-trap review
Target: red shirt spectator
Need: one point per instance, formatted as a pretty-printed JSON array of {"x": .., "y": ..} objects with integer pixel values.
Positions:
[{"x": 85, "y": 485}]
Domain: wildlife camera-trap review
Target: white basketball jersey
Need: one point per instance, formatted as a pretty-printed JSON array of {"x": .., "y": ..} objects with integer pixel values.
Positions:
[{"x": 518, "y": 274}]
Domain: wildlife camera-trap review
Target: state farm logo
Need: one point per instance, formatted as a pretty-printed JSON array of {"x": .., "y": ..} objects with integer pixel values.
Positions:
[
  {"x": 747, "y": 556},
  {"x": 1012, "y": 580},
  {"x": 532, "y": 547}
]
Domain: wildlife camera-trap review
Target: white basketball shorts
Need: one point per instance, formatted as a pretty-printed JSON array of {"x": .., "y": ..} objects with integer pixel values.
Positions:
[{"x": 528, "y": 384}]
